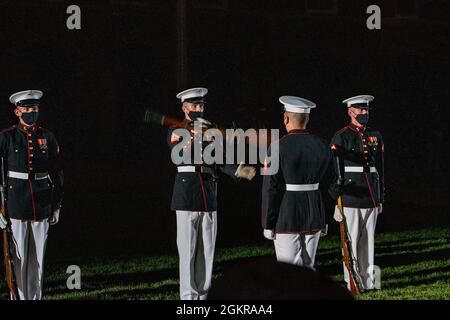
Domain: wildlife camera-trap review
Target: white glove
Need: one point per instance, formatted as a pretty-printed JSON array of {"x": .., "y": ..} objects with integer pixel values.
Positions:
[
  {"x": 3, "y": 222},
  {"x": 380, "y": 208},
  {"x": 246, "y": 172},
  {"x": 337, "y": 215},
  {"x": 199, "y": 125},
  {"x": 200, "y": 129},
  {"x": 54, "y": 219},
  {"x": 204, "y": 123},
  {"x": 269, "y": 234}
]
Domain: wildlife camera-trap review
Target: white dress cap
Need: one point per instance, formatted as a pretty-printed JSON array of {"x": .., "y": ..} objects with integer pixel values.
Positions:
[
  {"x": 29, "y": 97},
  {"x": 193, "y": 95},
  {"x": 296, "y": 104},
  {"x": 361, "y": 100}
]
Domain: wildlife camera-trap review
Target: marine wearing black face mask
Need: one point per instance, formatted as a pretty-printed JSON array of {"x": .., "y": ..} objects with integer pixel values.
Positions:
[
  {"x": 194, "y": 115},
  {"x": 363, "y": 118},
  {"x": 363, "y": 148},
  {"x": 194, "y": 200},
  {"x": 30, "y": 118},
  {"x": 359, "y": 161},
  {"x": 34, "y": 180}
]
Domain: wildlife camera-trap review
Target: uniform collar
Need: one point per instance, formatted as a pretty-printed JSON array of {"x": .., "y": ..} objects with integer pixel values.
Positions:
[
  {"x": 305, "y": 131},
  {"x": 23, "y": 128},
  {"x": 357, "y": 129}
]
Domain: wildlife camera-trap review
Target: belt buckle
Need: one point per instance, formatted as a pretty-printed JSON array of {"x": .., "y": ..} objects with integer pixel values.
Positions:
[
  {"x": 31, "y": 176},
  {"x": 366, "y": 169}
]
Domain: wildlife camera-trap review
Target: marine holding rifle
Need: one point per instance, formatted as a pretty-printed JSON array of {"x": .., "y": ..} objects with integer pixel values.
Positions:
[
  {"x": 34, "y": 181},
  {"x": 194, "y": 198},
  {"x": 359, "y": 154}
]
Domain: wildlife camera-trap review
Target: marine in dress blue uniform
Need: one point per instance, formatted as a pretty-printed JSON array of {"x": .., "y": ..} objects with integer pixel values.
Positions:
[
  {"x": 293, "y": 213},
  {"x": 34, "y": 176},
  {"x": 359, "y": 153},
  {"x": 194, "y": 199}
]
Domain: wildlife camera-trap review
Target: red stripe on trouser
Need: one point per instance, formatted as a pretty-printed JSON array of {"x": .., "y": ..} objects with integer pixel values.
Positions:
[{"x": 203, "y": 192}]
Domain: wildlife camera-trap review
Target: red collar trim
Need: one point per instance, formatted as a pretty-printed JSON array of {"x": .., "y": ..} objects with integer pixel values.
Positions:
[
  {"x": 27, "y": 129},
  {"x": 356, "y": 129}
]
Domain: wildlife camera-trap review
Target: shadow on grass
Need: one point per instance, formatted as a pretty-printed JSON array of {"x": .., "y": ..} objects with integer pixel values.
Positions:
[
  {"x": 386, "y": 260},
  {"x": 130, "y": 280},
  {"x": 411, "y": 258},
  {"x": 145, "y": 293},
  {"x": 406, "y": 242},
  {"x": 220, "y": 267},
  {"x": 424, "y": 272},
  {"x": 121, "y": 293},
  {"x": 415, "y": 283},
  {"x": 136, "y": 293}
]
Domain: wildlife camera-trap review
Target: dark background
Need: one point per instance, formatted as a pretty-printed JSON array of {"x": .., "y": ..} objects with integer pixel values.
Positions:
[{"x": 97, "y": 81}]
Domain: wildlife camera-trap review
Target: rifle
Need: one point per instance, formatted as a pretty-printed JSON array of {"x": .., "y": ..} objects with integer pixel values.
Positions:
[
  {"x": 349, "y": 260},
  {"x": 346, "y": 244},
  {"x": 152, "y": 117},
  {"x": 7, "y": 243}
]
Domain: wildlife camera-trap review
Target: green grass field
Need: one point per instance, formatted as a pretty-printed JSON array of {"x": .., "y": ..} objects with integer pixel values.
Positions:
[{"x": 414, "y": 265}]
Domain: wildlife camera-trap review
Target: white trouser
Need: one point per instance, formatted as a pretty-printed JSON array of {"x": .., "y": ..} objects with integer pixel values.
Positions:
[
  {"x": 298, "y": 249},
  {"x": 196, "y": 239},
  {"x": 361, "y": 224},
  {"x": 29, "y": 238}
]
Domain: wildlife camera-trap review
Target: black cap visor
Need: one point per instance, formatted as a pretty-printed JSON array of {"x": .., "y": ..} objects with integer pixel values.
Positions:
[
  {"x": 27, "y": 103},
  {"x": 196, "y": 100}
]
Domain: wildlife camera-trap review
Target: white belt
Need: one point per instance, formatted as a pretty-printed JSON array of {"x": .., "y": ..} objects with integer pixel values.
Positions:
[
  {"x": 302, "y": 187},
  {"x": 26, "y": 176},
  {"x": 186, "y": 169},
  {"x": 359, "y": 169},
  {"x": 201, "y": 169}
]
